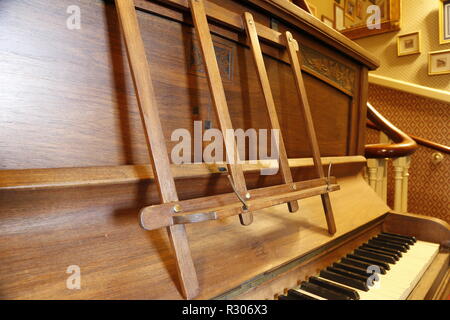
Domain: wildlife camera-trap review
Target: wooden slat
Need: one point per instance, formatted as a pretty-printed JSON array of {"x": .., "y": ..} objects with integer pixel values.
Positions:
[
  {"x": 268, "y": 97},
  {"x": 55, "y": 178},
  {"x": 301, "y": 90},
  {"x": 219, "y": 99},
  {"x": 155, "y": 138},
  {"x": 226, "y": 205}
]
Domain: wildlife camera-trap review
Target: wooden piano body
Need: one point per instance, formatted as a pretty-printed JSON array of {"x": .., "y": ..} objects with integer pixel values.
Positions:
[{"x": 75, "y": 166}]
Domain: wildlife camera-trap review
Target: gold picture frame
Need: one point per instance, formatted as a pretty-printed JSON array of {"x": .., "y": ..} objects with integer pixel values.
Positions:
[
  {"x": 391, "y": 22},
  {"x": 408, "y": 44},
  {"x": 439, "y": 62},
  {"x": 312, "y": 9},
  {"x": 359, "y": 9},
  {"x": 444, "y": 21},
  {"x": 350, "y": 9},
  {"x": 329, "y": 22},
  {"x": 339, "y": 17}
]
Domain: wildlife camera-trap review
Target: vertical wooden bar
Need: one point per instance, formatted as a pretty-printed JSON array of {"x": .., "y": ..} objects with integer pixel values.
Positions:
[
  {"x": 250, "y": 27},
  {"x": 219, "y": 99},
  {"x": 155, "y": 140},
  {"x": 295, "y": 65}
]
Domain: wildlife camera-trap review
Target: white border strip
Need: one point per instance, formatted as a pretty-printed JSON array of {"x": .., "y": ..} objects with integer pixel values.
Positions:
[{"x": 431, "y": 93}]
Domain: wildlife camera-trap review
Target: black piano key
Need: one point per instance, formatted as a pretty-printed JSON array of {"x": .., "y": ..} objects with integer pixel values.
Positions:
[
  {"x": 339, "y": 278},
  {"x": 352, "y": 294},
  {"x": 397, "y": 252},
  {"x": 367, "y": 248},
  {"x": 369, "y": 260},
  {"x": 374, "y": 255},
  {"x": 361, "y": 264},
  {"x": 388, "y": 245},
  {"x": 322, "y": 292},
  {"x": 394, "y": 241},
  {"x": 295, "y": 295},
  {"x": 350, "y": 268},
  {"x": 408, "y": 241},
  {"x": 400, "y": 236},
  {"x": 348, "y": 273}
]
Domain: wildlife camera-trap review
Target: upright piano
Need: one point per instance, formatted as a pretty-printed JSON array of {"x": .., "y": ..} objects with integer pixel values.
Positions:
[{"x": 76, "y": 173}]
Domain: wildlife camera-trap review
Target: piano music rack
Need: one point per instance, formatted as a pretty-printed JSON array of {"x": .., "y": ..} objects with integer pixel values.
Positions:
[{"x": 174, "y": 214}]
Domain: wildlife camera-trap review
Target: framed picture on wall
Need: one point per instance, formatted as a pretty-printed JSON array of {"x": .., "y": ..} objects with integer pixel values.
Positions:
[
  {"x": 350, "y": 8},
  {"x": 444, "y": 21},
  {"x": 439, "y": 62},
  {"x": 339, "y": 23},
  {"x": 359, "y": 9},
  {"x": 408, "y": 44},
  {"x": 329, "y": 22},
  {"x": 312, "y": 9}
]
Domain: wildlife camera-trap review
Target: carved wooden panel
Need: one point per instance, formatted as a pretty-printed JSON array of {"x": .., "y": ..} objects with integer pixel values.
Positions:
[{"x": 332, "y": 70}]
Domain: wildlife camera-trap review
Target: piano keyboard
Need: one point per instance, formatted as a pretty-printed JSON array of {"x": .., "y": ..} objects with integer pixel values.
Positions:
[{"x": 400, "y": 261}]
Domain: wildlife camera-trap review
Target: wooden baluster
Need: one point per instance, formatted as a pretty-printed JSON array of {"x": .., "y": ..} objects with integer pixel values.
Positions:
[
  {"x": 398, "y": 183},
  {"x": 405, "y": 181},
  {"x": 372, "y": 169},
  {"x": 155, "y": 140},
  {"x": 219, "y": 100},
  {"x": 379, "y": 178},
  {"x": 295, "y": 65},
  {"x": 384, "y": 179},
  {"x": 270, "y": 104},
  {"x": 383, "y": 166}
]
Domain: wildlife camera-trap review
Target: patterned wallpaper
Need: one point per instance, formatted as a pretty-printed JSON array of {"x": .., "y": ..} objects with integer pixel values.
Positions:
[
  {"x": 429, "y": 188},
  {"x": 416, "y": 15}
]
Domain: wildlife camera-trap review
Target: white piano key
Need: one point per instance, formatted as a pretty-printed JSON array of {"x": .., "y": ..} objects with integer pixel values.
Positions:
[{"x": 309, "y": 294}]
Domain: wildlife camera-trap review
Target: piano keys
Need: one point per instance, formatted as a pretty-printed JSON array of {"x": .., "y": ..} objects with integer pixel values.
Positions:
[{"x": 344, "y": 279}]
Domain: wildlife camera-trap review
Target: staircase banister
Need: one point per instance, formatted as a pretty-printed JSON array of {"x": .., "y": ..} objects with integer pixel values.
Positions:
[{"x": 403, "y": 145}]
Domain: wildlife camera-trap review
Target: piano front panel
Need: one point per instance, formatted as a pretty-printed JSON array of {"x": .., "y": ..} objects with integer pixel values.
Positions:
[{"x": 74, "y": 105}]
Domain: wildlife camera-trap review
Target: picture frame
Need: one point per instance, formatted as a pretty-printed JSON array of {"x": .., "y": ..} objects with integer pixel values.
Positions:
[
  {"x": 439, "y": 62},
  {"x": 408, "y": 44},
  {"x": 329, "y": 22},
  {"x": 350, "y": 8},
  {"x": 444, "y": 21},
  {"x": 390, "y": 9},
  {"x": 312, "y": 9},
  {"x": 359, "y": 9},
  {"x": 339, "y": 19}
]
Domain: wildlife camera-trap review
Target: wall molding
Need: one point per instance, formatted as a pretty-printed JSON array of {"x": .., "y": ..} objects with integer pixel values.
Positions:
[{"x": 427, "y": 92}]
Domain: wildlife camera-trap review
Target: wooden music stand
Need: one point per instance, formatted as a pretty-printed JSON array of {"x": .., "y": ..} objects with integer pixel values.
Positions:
[{"x": 174, "y": 214}]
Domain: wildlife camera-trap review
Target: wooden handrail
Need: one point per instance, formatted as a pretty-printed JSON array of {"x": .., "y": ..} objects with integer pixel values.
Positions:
[
  {"x": 403, "y": 144},
  {"x": 430, "y": 144},
  {"x": 422, "y": 141}
]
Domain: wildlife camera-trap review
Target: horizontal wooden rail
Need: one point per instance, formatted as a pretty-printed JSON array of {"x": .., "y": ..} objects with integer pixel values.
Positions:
[
  {"x": 403, "y": 144},
  {"x": 432, "y": 145},
  {"x": 55, "y": 178},
  {"x": 421, "y": 141}
]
